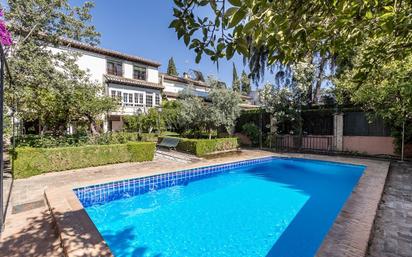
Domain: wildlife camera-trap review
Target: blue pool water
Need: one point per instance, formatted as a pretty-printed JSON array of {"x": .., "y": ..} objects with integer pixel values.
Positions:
[{"x": 268, "y": 207}]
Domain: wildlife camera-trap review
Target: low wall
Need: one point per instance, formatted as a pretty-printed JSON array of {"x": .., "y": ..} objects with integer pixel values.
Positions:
[{"x": 369, "y": 145}]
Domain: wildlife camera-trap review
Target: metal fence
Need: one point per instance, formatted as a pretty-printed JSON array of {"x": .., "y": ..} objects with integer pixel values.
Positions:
[
  {"x": 303, "y": 143},
  {"x": 358, "y": 124}
]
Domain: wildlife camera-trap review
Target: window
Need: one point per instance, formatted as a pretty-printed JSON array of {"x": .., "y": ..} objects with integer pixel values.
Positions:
[
  {"x": 116, "y": 95},
  {"x": 149, "y": 100},
  {"x": 127, "y": 99},
  {"x": 113, "y": 94},
  {"x": 138, "y": 99},
  {"x": 114, "y": 68},
  {"x": 139, "y": 72},
  {"x": 157, "y": 99}
]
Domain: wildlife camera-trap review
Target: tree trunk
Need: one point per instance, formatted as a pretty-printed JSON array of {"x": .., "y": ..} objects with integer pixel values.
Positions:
[
  {"x": 92, "y": 125},
  {"x": 93, "y": 128},
  {"x": 319, "y": 80}
]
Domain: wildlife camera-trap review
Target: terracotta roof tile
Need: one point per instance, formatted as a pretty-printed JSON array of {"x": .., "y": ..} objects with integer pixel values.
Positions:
[{"x": 107, "y": 52}]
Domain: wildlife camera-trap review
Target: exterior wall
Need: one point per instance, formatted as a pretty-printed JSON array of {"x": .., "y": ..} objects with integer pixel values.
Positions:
[
  {"x": 128, "y": 70},
  {"x": 152, "y": 75},
  {"x": 369, "y": 144},
  {"x": 95, "y": 64},
  {"x": 176, "y": 87}
]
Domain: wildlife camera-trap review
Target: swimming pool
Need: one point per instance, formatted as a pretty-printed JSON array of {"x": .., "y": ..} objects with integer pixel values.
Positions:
[{"x": 262, "y": 207}]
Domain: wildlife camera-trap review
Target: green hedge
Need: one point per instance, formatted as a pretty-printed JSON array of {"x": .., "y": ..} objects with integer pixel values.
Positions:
[
  {"x": 109, "y": 138},
  {"x": 34, "y": 161},
  {"x": 202, "y": 147}
]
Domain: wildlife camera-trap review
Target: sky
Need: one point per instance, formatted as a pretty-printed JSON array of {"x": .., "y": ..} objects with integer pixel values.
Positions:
[{"x": 141, "y": 28}]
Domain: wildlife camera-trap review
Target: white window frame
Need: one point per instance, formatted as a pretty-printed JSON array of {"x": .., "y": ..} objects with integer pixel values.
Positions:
[
  {"x": 157, "y": 100},
  {"x": 151, "y": 96}
]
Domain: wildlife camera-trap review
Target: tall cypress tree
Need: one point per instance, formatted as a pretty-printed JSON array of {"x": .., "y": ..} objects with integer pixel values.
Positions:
[
  {"x": 245, "y": 81},
  {"x": 235, "y": 80},
  {"x": 171, "y": 68}
]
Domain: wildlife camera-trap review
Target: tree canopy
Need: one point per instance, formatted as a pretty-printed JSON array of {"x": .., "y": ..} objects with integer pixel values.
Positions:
[
  {"x": 269, "y": 32},
  {"x": 379, "y": 84},
  {"x": 221, "y": 110},
  {"x": 47, "y": 85}
]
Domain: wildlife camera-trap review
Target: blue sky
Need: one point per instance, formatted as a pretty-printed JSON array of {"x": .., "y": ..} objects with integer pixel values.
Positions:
[{"x": 141, "y": 28}]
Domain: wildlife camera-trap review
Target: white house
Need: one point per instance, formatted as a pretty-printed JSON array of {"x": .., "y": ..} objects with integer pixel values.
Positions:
[{"x": 131, "y": 79}]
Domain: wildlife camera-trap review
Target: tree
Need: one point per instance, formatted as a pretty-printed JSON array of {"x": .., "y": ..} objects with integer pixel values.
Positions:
[
  {"x": 171, "y": 68},
  {"x": 89, "y": 101},
  {"x": 192, "y": 113},
  {"x": 170, "y": 115},
  {"x": 383, "y": 87},
  {"x": 245, "y": 82},
  {"x": 257, "y": 29},
  {"x": 152, "y": 121},
  {"x": 221, "y": 111},
  {"x": 213, "y": 82},
  {"x": 284, "y": 105},
  {"x": 225, "y": 107},
  {"x": 235, "y": 80},
  {"x": 48, "y": 86}
]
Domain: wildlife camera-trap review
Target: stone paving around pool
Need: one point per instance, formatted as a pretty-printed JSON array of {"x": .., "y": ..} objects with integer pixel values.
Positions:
[
  {"x": 30, "y": 232},
  {"x": 392, "y": 234}
]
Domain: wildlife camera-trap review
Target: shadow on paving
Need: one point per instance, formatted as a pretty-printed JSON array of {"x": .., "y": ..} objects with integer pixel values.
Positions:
[
  {"x": 392, "y": 231},
  {"x": 36, "y": 238}
]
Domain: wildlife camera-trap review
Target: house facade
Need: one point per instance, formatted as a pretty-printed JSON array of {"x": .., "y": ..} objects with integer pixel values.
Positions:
[{"x": 134, "y": 81}]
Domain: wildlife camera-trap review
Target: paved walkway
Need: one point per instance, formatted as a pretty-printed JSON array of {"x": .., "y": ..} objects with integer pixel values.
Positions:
[{"x": 392, "y": 235}]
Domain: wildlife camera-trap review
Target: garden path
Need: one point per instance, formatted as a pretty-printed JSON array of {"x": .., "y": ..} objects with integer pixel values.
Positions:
[{"x": 392, "y": 234}]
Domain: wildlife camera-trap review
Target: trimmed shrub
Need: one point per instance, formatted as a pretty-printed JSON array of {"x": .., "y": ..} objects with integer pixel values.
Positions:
[
  {"x": 208, "y": 146},
  {"x": 141, "y": 151},
  {"x": 202, "y": 147},
  {"x": 34, "y": 161}
]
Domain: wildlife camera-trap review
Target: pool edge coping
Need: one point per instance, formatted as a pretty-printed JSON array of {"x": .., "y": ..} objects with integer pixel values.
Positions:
[{"x": 84, "y": 238}]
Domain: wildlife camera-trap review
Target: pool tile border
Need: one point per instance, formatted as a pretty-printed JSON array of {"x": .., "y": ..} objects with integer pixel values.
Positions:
[
  {"x": 103, "y": 193},
  {"x": 348, "y": 236}
]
